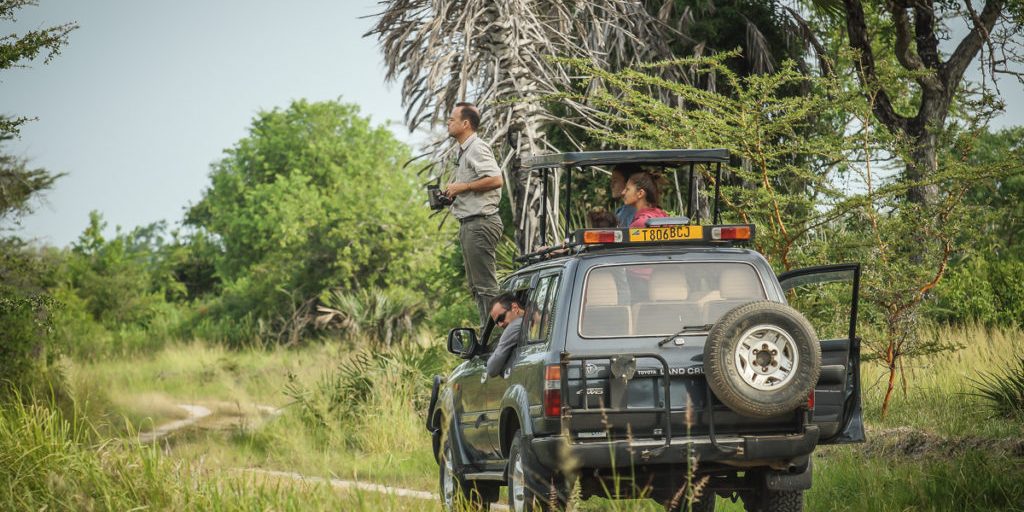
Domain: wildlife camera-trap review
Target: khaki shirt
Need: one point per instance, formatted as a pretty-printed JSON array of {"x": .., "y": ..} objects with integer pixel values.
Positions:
[{"x": 475, "y": 161}]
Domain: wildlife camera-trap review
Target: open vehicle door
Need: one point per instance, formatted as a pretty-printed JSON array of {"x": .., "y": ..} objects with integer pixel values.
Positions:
[{"x": 827, "y": 296}]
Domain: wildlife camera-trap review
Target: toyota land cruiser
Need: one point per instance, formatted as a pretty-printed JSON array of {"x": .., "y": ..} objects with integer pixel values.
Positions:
[{"x": 661, "y": 362}]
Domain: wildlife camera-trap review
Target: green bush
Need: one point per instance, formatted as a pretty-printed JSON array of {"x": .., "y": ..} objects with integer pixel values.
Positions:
[
  {"x": 1004, "y": 391},
  {"x": 344, "y": 406},
  {"x": 381, "y": 316},
  {"x": 979, "y": 290},
  {"x": 314, "y": 198}
]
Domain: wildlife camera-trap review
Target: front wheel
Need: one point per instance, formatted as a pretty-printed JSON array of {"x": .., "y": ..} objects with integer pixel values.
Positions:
[{"x": 457, "y": 493}]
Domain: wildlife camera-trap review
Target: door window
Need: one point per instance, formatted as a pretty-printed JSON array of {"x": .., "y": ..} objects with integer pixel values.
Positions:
[{"x": 540, "y": 311}]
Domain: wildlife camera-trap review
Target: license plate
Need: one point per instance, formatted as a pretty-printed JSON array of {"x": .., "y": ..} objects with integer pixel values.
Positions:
[{"x": 666, "y": 234}]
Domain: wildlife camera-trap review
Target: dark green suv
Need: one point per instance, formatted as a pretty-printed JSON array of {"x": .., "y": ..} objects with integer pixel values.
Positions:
[{"x": 661, "y": 362}]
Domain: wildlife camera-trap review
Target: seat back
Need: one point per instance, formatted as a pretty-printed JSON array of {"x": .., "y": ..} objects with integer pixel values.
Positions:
[
  {"x": 736, "y": 286},
  {"x": 602, "y": 314},
  {"x": 668, "y": 309}
]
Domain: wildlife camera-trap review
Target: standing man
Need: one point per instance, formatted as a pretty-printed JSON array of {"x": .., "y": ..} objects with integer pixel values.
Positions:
[{"x": 476, "y": 190}]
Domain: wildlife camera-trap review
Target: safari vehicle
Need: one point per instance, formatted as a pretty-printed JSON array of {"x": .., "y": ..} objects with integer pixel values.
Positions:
[{"x": 661, "y": 362}]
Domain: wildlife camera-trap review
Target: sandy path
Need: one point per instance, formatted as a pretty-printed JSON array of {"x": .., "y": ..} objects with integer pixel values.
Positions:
[
  {"x": 195, "y": 413},
  {"x": 362, "y": 486},
  {"x": 198, "y": 412}
]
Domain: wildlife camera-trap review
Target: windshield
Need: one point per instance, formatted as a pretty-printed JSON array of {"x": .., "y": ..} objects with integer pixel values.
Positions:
[{"x": 659, "y": 299}]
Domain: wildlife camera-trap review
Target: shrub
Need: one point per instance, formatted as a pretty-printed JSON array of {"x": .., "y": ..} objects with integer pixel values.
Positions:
[
  {"x": 1004, "y": 391},
  {"x": 344, "y": 406},
  {"x": 381, "y": 316}
]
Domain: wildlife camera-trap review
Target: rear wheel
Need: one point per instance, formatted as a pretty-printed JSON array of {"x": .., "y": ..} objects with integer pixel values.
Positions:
[
  {"x": 775, "y": 501},
  {"x": 457, "y": 493},
  {"x": 702, "y": 504},
  {"x": 530, "y": 487}
]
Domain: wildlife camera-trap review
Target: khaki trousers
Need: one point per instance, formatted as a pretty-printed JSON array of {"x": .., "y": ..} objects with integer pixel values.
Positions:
[{"x": 479, "y": 239}]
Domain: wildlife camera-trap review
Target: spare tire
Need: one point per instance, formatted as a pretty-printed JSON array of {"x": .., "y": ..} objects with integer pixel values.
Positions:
[{"x": 762, "y": 359}]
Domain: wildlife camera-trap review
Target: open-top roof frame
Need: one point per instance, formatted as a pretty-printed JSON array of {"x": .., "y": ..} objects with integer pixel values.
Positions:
[{"x": 545, "y": 164}]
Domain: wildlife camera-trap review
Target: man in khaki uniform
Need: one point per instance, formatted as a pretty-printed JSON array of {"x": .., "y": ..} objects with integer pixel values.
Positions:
[{"x": 476, "y": 189}]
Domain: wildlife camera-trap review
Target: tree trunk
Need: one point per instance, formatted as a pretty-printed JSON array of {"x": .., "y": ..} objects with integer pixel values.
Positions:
[{"x": 922, "y": 166}]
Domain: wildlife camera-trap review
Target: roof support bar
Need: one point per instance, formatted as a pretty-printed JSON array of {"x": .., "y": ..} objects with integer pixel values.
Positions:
[
  {"x": 715, "y": 218},
  {"x": 568, "y": 201},
  {"x": 544, "y": 207},
  {"x": 689, "y": 193}
]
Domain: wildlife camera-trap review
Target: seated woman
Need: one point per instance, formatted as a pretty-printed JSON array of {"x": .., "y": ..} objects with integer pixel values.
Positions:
[{"x": 641, "y": 192}]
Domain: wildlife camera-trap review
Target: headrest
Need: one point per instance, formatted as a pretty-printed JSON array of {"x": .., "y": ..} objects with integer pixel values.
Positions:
[
  {"x": 668, "y": 283},
  {"x": 602, "y": 289},
  {"x": 737, "y": 282}
]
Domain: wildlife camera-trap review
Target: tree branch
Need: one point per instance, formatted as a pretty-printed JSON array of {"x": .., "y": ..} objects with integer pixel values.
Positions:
[
  {"x": 924, "y": 32},
  {"x": 856, "y": 28},
  {"x": 953, "y": 70}
]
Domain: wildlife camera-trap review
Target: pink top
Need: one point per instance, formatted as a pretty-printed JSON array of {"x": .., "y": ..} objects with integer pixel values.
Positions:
[{"x": 640, "y": 220}]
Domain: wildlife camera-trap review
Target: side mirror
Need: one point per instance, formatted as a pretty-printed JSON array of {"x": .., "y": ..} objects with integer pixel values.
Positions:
[{"x": 462, "y": 341}]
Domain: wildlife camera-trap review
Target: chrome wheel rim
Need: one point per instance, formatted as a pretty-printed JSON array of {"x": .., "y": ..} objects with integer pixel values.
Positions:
[
  {"x": 448, "y": 482},
  {"x": 766, "y": 357},
  {"x": 517, "y": 489}
]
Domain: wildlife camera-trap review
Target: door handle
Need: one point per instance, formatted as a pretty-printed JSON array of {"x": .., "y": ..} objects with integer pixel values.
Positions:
[{"x": 480, "y": 419}]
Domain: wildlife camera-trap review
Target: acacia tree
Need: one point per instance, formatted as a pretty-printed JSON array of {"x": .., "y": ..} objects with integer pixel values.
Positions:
[
  {"x": 24, "y": 303},
  {"x": 794, "y": 184},
  {"x": 911, "y": 33}
]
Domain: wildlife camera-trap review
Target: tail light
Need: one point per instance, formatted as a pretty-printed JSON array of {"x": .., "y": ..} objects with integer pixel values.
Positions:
[
  {"x": 553, "y": 390},
  {"x": 602, "y": 237},
  {"x": 730, "y": 233},
  {"x": 810, "y": 401}
]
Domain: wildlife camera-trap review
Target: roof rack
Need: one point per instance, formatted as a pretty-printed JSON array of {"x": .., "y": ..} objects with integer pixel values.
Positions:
[{"x": 658, "y": 232}]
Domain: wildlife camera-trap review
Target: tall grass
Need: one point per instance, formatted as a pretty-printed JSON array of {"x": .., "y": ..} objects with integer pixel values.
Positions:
[
  {"x": 939, "y": 392},
  {"x": 51, "y": 462},
  {"x": 374, "y": 430}
]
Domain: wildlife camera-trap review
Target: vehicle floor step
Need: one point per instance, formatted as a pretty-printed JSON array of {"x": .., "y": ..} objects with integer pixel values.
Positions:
[{"x": 486, "y": 475}]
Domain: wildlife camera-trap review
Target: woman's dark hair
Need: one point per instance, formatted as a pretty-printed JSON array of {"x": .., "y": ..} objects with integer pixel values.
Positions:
[{"x": 648, "y": 182}]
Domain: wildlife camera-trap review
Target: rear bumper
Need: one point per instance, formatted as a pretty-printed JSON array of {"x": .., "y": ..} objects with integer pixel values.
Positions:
[{"x": 745, "y": 451}]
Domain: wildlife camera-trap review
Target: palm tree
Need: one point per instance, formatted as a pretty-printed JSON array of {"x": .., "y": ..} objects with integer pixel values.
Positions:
[{"x": 495, "y": 55}]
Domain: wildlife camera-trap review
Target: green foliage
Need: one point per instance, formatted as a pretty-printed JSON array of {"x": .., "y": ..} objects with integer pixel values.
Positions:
[
  {"x": 26, "y": 359},
  {"x": 815, "y": 179},
  {"x": 314, "y": 198},
  {"x": 120, "y": 295},
  {"x": 981, "y": 290},
  {"x": 1004, "y": 391},
  {"x": 382, "y": 316},
  {"x": 19, "y": 184},
  {"x": 116, "y": 277},
  {"x": 785, "y": 177},
  {"x": 342, "y": 406}
]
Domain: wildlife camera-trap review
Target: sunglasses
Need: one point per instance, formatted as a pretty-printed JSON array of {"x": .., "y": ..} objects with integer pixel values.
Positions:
[{"x": 501, "y": 317}]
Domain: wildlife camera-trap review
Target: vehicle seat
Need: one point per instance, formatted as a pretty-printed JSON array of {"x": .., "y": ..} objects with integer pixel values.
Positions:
[
  {"x": 736, "y": 286},
  {"x": 602, "y": 314},
  {"x": 668, "y": 310}
]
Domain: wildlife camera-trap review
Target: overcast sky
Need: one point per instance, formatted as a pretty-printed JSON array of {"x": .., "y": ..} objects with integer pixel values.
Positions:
[{"x": 148, "y": 94}]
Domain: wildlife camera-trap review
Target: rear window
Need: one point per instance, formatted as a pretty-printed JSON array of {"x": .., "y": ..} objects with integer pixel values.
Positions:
[{"x": 661, "y": 298}]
